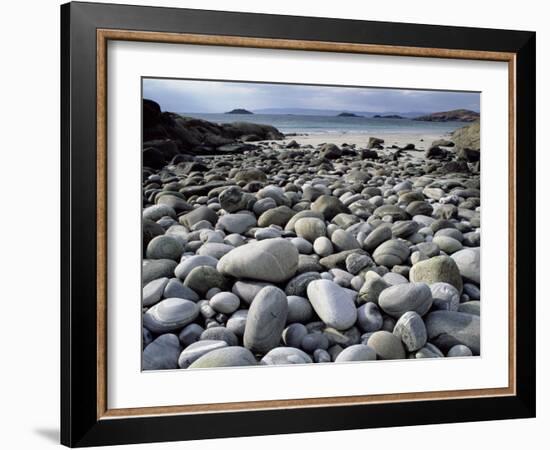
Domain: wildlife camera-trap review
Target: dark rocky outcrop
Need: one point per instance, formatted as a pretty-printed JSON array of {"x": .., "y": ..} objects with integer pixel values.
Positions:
[
  {"x": 436, "y": 153},
  {"x": 375, "y": 142},
  {"x": 467, "y": 137},
  {"x": 368, "y": 154},
  {"x": 330, "y": 151},
  {"x": 167, "y": 135},
  {"x": 467, "y": 154},
  {"x": 443, "y": 143},
  {"x": 151, "y": 113},
  {"x": 455, "y": 167}
]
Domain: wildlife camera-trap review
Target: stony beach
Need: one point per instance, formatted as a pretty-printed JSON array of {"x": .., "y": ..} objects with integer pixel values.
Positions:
[{"x": 263, "y": 249}]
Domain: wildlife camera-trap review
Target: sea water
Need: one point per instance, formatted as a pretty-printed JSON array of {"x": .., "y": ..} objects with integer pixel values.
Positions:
[{"x": 301, "y": 124}]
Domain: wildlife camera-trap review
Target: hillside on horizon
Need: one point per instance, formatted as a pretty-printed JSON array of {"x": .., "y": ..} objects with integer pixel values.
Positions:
[
  {"x": 335, "y": 112},
  {"x": 460, "y": 115}
]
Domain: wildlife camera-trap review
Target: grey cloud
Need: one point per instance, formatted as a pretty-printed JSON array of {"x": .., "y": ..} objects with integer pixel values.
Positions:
[{"x": 215, "y": 96}]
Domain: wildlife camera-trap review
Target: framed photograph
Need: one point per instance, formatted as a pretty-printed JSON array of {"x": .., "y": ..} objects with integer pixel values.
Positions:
[{"x": 276, "y": 224}]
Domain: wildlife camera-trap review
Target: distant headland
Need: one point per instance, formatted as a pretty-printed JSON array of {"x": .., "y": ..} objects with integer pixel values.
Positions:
[
  {"x": 387, "y": 116},
  {"x": 348, "y": 114},
  {"x": 456, "y": 115}
]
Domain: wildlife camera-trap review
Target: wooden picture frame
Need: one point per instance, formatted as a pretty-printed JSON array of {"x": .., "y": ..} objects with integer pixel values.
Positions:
[{"x": 86, "y": 419}]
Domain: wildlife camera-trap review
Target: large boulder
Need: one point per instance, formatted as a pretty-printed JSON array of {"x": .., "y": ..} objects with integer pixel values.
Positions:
[
  {"x": 236, "y": 223},
  {"x": 153, "y": 158},
  {"x": 276, "y": 216},
  {"x": 376, "y": 237},
  {"x": 397, "y": 300},
  {"x": 373, "y": 286},
  {"x": 156, "y": 268},
  {"x": 469, "y": 155},
  {"x": 149, "y": 231},
  {"x": 329, "y": 206},
  {"x": 391, "y": 253},
  {"x": 357, "y": 352},
  {"x": 266, "y": 320},
  {"x": 468, "y": 262},
  {"x": 170, "y": 314},
  {"x": 455, "y": 167},
  {"x": 202, "y": 278},
  {"x": 442, "y": 143},
  {"x": 411, "y": 330},
  {"x": 225, "y": 357},
  {"x": 375, "y": 142},
  {"x": 151, "y": 113},
  {"x": 467, "y": 137},
  {"x": 330, "y": 151},
  {"x": 449, "y": 328},
  {"x": 436, "y": 152},
  {"x": 233, "y": 199},
  {"x": 162, "y": 353},
  {"x": 196, "y": 350},
  {"x": 395, "y": 212},
  {"x": 436, "y": 269},
  {"x": 197, "y": 215},
  {"x": 310, "y": 228},
  {"x": 368, "y": 154},
  {"x": 188, "y": 264},
  {"x": 290, "y": 226},
  {"x": 239, "y": 129},
  {"x": 274, "y": 260},
  {"x": 286, "y": 355},
  {"x": 332, "y": 303},
  {"x": 250, "y": 174},
  {"x": 386, "y": 345}
]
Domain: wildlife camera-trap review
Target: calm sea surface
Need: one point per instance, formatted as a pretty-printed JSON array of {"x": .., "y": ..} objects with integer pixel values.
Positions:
[{"x": 288, "y": 123}]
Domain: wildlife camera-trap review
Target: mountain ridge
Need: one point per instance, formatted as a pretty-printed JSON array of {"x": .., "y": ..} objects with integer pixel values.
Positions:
[
  {"x": 334, "y": 112},
  {"x": 458, "y": 115}
]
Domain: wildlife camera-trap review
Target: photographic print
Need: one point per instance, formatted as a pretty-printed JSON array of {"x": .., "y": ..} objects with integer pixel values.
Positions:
[{"x": 305, "y": 224}]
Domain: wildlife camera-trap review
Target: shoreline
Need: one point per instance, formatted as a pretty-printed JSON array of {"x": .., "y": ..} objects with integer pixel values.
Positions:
[{"x": 421, "y": 141}]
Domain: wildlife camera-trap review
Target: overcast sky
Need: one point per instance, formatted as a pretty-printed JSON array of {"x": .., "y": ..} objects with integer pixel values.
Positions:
[{"x": 217, "y": 97}]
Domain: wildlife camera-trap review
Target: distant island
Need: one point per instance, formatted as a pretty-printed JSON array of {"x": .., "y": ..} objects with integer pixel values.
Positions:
[
  {"x": 387, "y": 116},
  {"x": 456, "y": 115},
  {"x": 348, "y": 114},
  {"x": 239, "y": 111}
]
